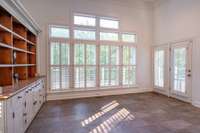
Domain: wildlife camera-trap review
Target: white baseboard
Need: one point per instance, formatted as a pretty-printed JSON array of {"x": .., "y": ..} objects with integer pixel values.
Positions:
[
  {"x": 196, "y": 103},
  {"x": 94, "y": 93}
]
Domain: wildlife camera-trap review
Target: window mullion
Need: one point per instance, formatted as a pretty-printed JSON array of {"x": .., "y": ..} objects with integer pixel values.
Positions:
[
  {"x": 97, "y": 53},
  {"x": 109, "y": 65},
  {"x": 120, "y": 65},
  {"x": 60, "y": 67},
  {"x": 71, "y": 68},
  {"x": 85, "y": 65}
]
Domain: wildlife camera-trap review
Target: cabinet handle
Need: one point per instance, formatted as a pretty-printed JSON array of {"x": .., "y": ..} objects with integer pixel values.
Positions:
[
  {"x": 19, "y": 97},
  {"x": 13, "y": 115},
  {"x": 24, "y": 114},
  {"x": 35, "y": 103}
]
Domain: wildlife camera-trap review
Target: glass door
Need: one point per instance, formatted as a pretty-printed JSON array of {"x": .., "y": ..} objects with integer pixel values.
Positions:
[{"x": 181, "y": 69}]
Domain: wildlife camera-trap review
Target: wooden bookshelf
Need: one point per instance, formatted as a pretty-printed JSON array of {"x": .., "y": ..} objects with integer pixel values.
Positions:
[{"x": 17, "y": 50}]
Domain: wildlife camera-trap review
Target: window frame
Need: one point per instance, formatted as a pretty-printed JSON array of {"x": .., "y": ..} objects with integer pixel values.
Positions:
[{"x": 97, "y": 42}]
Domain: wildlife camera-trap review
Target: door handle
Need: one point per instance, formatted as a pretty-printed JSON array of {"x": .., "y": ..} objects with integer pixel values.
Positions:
[{"x": 189, "y": 75}]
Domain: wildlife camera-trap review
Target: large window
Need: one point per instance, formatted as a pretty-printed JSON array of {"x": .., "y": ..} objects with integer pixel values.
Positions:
[
  {"x": 159, "y": 68},
  {"x": 93, "y": 53}
]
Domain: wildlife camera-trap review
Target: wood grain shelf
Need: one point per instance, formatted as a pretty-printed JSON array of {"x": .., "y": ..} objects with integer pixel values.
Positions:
[
  {"x": 17, "y": 50},
  {"x": 16, "y": 35},
  {"x": 17, "y": 65}
]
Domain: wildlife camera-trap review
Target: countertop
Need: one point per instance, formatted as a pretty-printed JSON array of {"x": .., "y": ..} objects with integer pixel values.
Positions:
[{"x": 9, "y": 91}]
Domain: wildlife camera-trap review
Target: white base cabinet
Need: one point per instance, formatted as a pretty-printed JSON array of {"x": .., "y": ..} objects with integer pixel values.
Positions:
[{"x": 18, "y": 111}]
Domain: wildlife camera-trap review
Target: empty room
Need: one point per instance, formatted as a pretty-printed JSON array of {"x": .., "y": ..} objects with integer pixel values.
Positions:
[{"x": 99, "y": 66}]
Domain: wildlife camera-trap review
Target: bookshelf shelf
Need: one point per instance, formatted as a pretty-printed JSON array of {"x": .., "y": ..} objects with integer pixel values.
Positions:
[{"x": 17, "y": 50}]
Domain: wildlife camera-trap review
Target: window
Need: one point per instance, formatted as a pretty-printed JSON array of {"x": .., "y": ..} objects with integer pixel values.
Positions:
[
  {"x": 109, "y": 65},
  {"x": 105, "y": 36},
  {"x": 84, "y": 35},
  {"x": 109, "y": 23},
  {"x": 59, "y": 65},
  {"x": 85, "y": 65},
  {"x": 84, "y": 20},
  {"x": 129, "y": 38},
  {"x": 129, "y": 65},
  {"x": 97, "y": 55},
  {"x": 159, "y": 68},
  {"x": 59, "y": 32}
]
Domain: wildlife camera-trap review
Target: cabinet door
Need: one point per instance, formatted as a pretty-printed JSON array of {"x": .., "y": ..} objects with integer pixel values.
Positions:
[
  {"x": 36, "y": 99},
  {"x": 26, "y": 118},
  {"x": 18, "y": 101},
  {"x": 2, "y": 116},
  {"x": 9, "y": 126},
  {"x": 29, "y": 104}
]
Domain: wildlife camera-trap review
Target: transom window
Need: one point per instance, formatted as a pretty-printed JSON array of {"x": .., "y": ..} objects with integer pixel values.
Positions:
[
  {"x": 84, "y": 20},
  {"x": 126, "y": 37},
  {"x": 108, "y": 36},
  {"x": 84, "y": 34},
  {"x": 109, "y": 23},
  {"x": 59, "y": 32},
  {"x": 91, "y": 57}
]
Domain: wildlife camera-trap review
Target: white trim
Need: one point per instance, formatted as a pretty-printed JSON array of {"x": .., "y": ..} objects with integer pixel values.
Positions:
[
  {"x": 94, "y": 93},
  {"x": 16, "y": 8},
  {"x": 196, "y": 103}
]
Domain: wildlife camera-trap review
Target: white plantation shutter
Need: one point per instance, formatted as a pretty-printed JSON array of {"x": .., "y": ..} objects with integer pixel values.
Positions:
[
  {"x": 79, "y": 77},
  {"x": 159, "y": 68},
  {"x": 91, "y": 77},
  {"x": 55, "y": 78},
  {"x": 129, "y": 66}
]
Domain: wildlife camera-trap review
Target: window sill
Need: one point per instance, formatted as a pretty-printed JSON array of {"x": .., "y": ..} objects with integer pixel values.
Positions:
[{"x": 92, "y": 89}]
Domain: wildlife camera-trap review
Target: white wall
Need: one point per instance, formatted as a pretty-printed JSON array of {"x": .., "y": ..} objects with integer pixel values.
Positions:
[
  {"x": 134, "y": 15},
  {"x": 176, "y": 20}
]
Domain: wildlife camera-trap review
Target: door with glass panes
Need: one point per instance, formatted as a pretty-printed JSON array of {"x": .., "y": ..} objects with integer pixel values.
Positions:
[{"x": 181, "y": 69}]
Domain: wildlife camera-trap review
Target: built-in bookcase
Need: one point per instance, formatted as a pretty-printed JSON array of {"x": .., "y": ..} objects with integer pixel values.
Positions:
[{"x": 17, "y": 50}]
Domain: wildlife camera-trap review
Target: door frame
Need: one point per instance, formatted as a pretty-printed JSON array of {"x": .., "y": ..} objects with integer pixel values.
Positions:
[
  {"x": 168, "y": 73},
  {"x": 182, "y": 96}
]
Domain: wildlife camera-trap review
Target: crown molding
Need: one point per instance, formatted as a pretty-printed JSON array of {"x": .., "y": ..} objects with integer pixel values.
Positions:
[{"x": 16, "y": 9}]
